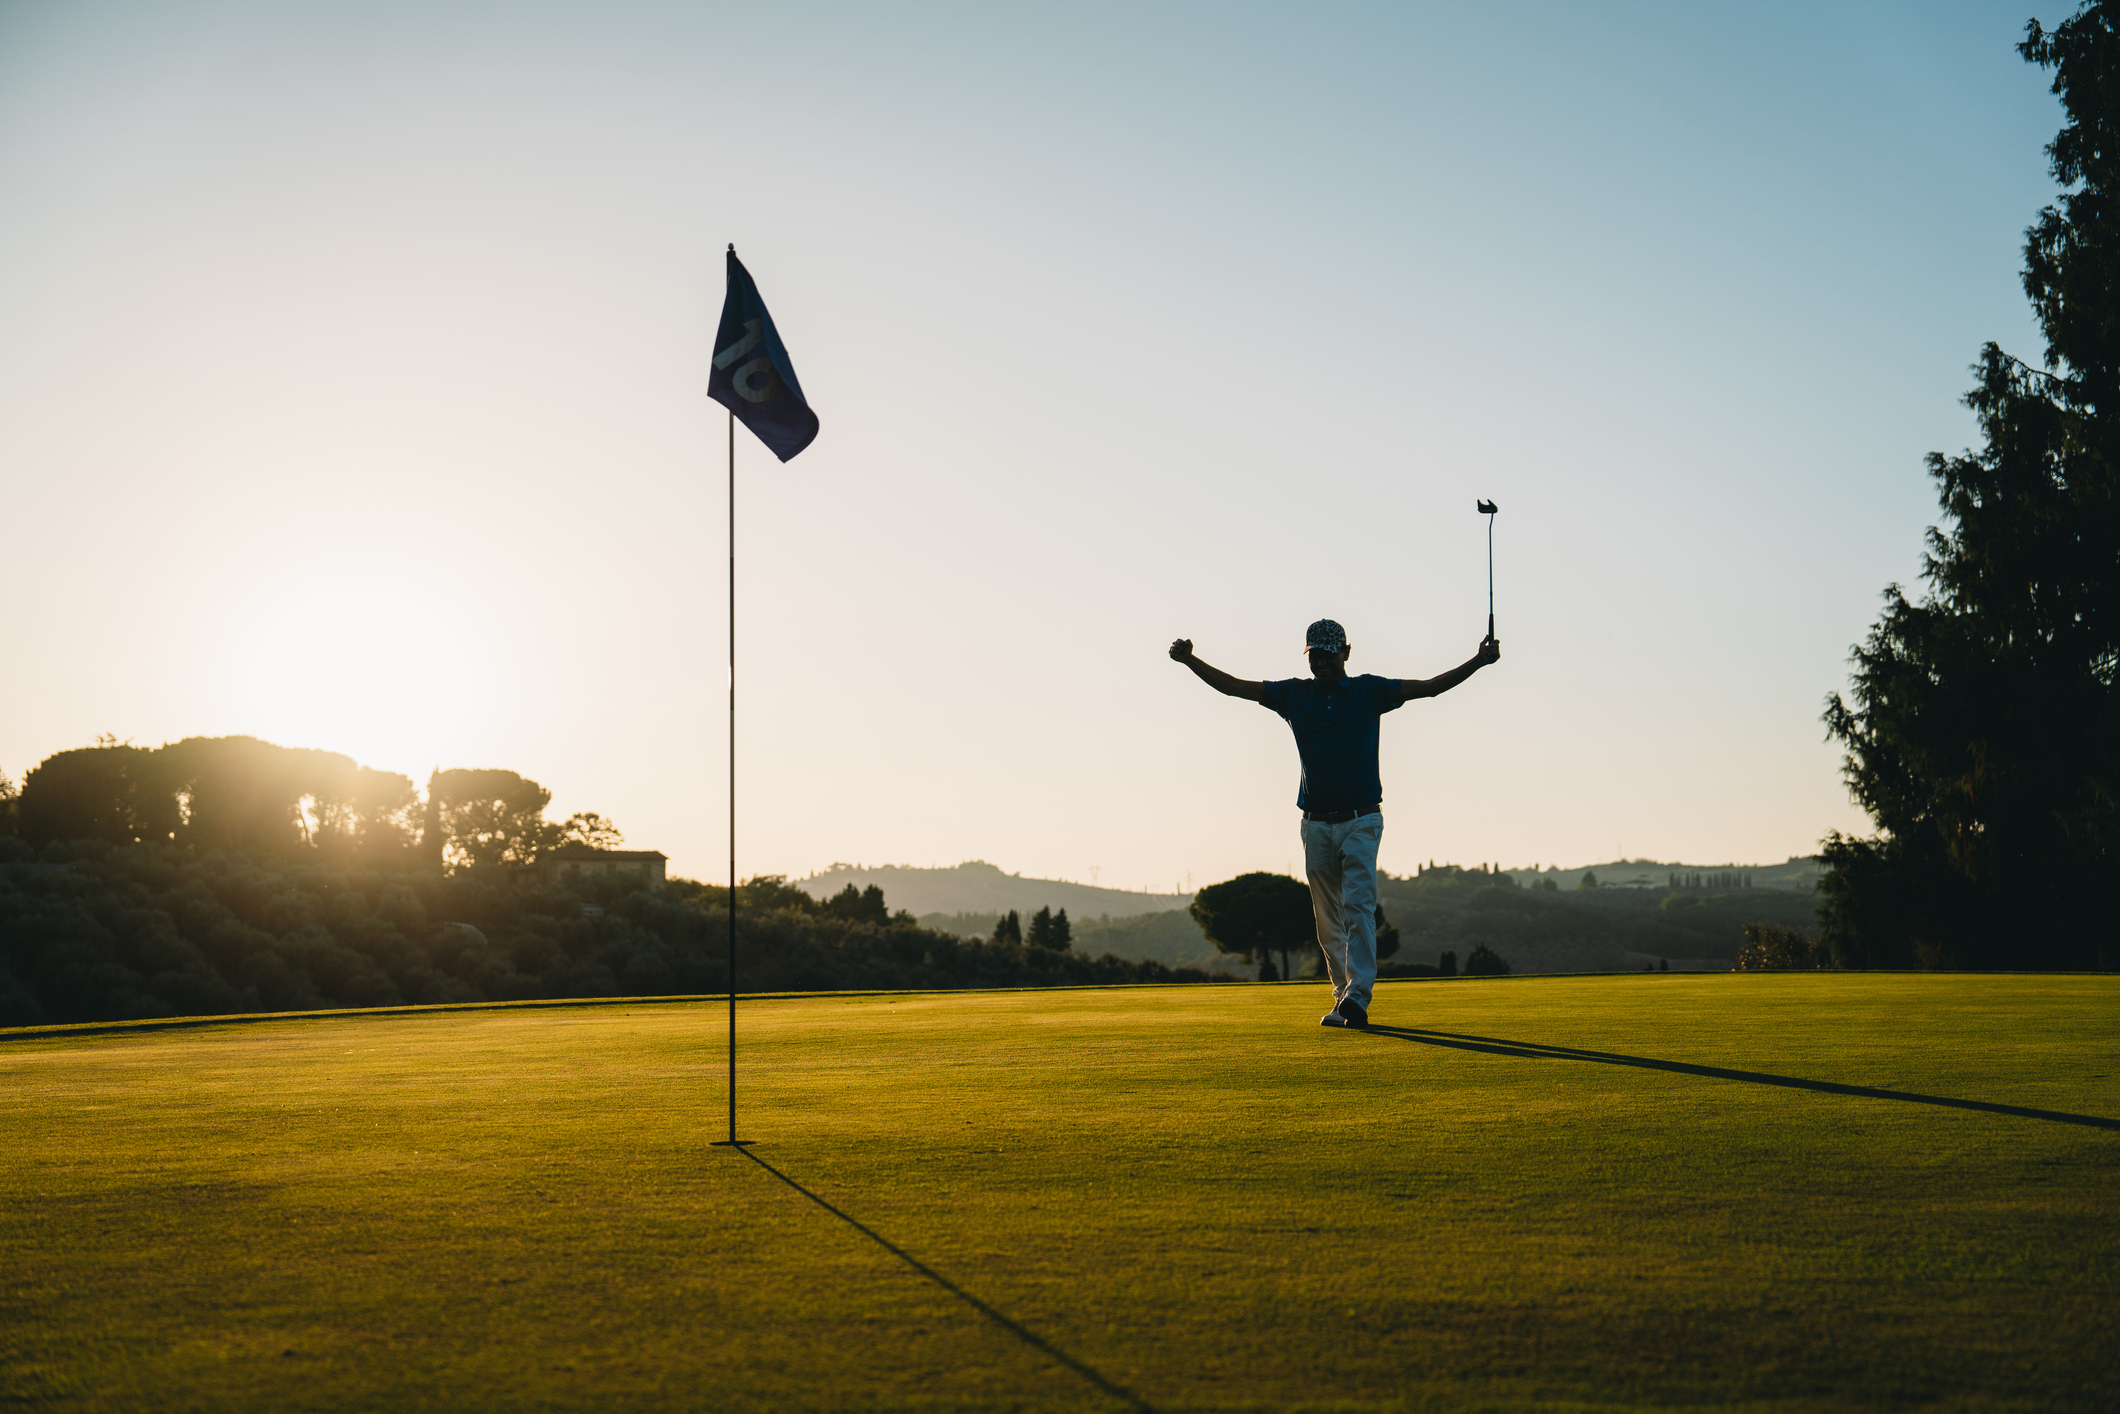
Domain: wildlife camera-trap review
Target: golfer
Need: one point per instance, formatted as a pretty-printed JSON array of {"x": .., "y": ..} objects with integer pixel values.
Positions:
[{"x": 1334, "y": 718}]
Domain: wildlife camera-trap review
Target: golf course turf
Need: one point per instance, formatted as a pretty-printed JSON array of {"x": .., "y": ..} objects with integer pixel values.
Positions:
[{"x": 1778, "y": 1191}]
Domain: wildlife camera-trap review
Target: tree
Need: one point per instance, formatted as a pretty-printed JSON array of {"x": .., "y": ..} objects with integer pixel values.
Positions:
[
  {"x": 361, "y": 813},
  {"x": 1009, "y": 930},
  {"x": 1589, "y": 881},
  {"x": 1387, "y": 936},
  {"x": 1485, "y": 962},
  {"x": 1049, "y": 932},
  {"x": 1769, "y": 947},
  {"x": 240, "y": 793},
  {"x": 491, "y": 817},
  {"x": 1982, "y": 725},
  {"x": 586, "y": 827},
  {"x": 767, "y": 893},
  {"x": 385, "y": 814},
  {"x": 859, "y": 905},
  {"x": 84, "y": 794},
  {"x": 1256, "y": 914},
  {"x": 431, "y": 834},
  {"x": 229, "y": 793}
]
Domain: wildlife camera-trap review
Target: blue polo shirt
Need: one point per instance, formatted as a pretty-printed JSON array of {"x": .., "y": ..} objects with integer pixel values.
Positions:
[{"x": 1336, "y": 735}]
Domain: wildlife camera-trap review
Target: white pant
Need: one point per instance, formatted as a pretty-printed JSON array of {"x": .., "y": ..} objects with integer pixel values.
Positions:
[{"x": 1342, "y": 863}]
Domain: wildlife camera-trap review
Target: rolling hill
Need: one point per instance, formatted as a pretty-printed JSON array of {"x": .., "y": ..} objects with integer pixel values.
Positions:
[{"x": 976, "y": 886}]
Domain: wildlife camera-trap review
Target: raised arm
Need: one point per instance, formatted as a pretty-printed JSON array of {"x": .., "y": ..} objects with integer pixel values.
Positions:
[
  {"x": 1490, "y": 652},
  {"x": 1222, "y": 682}
]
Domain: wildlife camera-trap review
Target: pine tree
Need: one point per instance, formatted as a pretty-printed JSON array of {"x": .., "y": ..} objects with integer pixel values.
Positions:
[{"x": 1983, "y": 727}]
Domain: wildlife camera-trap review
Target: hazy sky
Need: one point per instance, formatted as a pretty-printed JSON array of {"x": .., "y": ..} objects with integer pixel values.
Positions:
[{"x": 353, "y": 357}]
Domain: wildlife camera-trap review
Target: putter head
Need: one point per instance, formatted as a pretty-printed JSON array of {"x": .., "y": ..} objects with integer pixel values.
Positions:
[{"x": 1488, "y": 508}]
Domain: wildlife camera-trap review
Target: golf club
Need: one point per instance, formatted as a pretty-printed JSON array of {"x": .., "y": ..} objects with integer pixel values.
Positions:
[{"x": 1489, "y": 510}]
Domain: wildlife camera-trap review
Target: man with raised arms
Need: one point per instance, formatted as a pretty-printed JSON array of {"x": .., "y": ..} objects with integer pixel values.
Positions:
[{"x": 1334, "y": 718}]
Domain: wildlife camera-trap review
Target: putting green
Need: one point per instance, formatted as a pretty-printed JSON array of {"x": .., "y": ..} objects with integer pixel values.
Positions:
[{"x": 1175, "y": 1198}]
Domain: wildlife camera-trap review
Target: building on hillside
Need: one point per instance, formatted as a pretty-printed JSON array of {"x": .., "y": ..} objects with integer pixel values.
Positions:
[{"x": 580, "y": 861}]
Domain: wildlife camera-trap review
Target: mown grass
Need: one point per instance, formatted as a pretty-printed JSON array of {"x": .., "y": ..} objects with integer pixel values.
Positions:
[{"x": 1178, "y": 1198}]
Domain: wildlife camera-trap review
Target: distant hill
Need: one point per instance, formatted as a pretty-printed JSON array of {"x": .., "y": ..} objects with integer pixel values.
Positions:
[
  {"x": 1570, "y": 929},
  {"x": 1172, "y": 939},
  {"x": 1621, "y": 926},
  {"x": 976, "y": 886}
]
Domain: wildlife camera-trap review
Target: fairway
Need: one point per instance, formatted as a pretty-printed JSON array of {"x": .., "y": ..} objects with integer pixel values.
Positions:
[{"x": 1562, "y": 1193}]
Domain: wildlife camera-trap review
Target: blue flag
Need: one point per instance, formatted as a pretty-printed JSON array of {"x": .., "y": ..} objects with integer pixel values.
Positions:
[{"x": 752, "y": 376}]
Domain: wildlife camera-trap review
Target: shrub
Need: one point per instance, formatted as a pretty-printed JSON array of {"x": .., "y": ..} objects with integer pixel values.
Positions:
[
  {"x": 1769, "y": 947},
  {"x": 1485, "y": 962}
]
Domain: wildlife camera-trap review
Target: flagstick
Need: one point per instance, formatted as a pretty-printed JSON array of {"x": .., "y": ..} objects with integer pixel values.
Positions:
[{"x": 732, "y": 1141}]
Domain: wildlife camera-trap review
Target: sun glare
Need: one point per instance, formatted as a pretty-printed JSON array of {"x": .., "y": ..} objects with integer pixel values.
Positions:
[{"x": 365, "y": 668}]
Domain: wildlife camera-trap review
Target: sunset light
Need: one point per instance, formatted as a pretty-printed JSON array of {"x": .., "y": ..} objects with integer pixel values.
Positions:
[
  {"x": 366, "y": 668},
  {"x": 1060, "y": 707}
]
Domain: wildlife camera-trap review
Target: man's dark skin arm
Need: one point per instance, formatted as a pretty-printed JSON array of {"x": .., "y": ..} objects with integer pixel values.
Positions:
[
  {"x": 1222, "y": 682},
  {"x": 1490, "y": 652},
  {"x": 1329, "y": 668}
]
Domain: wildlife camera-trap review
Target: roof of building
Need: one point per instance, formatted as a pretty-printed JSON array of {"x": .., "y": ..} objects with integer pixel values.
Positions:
[{"x": 571, "y": 852}]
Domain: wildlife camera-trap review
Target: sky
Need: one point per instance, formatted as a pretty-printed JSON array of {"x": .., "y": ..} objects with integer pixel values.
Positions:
[{"x": 352, "y": 394}]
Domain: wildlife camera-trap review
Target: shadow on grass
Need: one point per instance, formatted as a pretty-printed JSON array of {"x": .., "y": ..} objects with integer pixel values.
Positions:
[
  {"x": 1124, "y": 1396},
  {"x": 1532, "y": 1050}
]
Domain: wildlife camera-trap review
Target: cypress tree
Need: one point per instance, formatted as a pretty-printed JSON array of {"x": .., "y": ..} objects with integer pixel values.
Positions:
[{"x": 430, "y": 848}]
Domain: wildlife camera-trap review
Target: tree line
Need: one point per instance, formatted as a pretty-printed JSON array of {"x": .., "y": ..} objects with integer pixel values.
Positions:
[
  {"x": 227, "y": 874},
  {"x": 1720, "y": 881},
  {"x": 1048, "y": 930},
  {"x": 274, "y": 802},
  {"x": 92, "y": 931}
]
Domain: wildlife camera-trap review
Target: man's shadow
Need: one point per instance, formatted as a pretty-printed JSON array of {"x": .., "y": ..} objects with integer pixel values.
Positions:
[{"x": 1532, "y": 1050}]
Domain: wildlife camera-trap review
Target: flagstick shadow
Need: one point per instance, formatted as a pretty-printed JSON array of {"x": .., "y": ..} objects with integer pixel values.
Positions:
[
  {"x": 1532, "y": 1050},
  {"x": 1124, "y": 1396}
]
